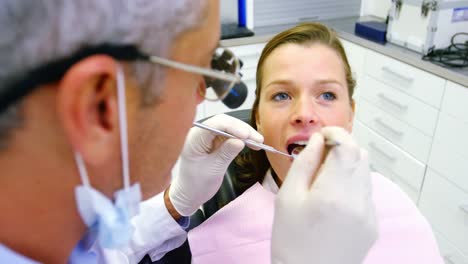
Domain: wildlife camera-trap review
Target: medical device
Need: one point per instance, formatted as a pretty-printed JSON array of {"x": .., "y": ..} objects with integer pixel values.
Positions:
[
  {"x": 250, "y": 142},
  {"x": 425, "y": 25},
  {"x": 236, "y": 96}
]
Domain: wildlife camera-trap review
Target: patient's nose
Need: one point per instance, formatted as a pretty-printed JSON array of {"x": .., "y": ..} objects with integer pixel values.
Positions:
[{"x": 304, "y": 113}]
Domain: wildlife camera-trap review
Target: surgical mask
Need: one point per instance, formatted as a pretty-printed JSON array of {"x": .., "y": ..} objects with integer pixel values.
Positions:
[{"x": 111, "y": 221}]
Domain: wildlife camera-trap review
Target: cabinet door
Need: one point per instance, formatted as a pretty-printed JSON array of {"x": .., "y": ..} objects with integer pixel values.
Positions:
[
  {"x": 400, "y": 105},
  {"x": 446, "y": 207},
  {"x": 449, "y": 153},
  {"x": 415, "y": 82},
  {"x": 455, "y": 101},
  {"x": 399, "y": 133},
  {"x": 391, "y": 161}
]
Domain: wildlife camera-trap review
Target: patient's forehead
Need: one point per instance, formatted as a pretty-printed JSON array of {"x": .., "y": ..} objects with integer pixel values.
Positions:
[{"x": 303, "y": 63}]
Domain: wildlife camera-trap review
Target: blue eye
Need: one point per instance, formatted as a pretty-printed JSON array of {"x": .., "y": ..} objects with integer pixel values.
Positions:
[
  {"x": 281, "y": 96},
  {"x": 328, "y": 96}
]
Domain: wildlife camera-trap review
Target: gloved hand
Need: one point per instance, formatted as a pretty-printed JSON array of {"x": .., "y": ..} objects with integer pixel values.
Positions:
[
  {"x": 204, "y": 161},
  {"x": 324, "y": 212}
]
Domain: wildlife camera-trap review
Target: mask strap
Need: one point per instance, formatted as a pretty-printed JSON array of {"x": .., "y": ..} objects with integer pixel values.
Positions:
[
  {"x": 121, "y": 101},
  {"x": 82, "y": 169}
]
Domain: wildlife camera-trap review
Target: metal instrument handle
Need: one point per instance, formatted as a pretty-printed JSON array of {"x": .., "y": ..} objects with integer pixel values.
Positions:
[{"x": 246, "y": 141}]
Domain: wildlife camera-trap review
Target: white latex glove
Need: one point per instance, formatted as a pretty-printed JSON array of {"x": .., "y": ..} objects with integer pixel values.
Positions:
[
  {"x": 204, "y": 161},
  {"x": 333, "y": 220}
]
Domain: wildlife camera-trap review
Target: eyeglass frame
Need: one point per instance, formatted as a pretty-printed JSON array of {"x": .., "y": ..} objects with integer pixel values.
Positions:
[{"x": 53, "y": 71}]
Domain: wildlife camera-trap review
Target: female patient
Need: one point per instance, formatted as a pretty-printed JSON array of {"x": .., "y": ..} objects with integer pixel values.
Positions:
[{"x": 304, "y": 83}]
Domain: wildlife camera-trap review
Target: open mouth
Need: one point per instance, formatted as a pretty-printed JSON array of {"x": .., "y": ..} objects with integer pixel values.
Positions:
[{"x": 296, "y": 147}]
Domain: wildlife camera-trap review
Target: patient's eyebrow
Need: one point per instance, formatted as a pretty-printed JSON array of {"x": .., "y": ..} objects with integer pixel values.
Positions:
[
  {"x": 289, "y": 82},
  {"x": 327, "y": 81},
  {"x": 285, "y": 82}
]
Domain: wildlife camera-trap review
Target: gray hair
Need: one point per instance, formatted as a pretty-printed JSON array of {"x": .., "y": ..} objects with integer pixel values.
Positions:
[{"x": 34, "y": 32}]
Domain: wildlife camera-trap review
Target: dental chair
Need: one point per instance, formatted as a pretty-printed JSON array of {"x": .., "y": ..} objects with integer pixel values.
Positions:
[{"x": 225, "y": 194}]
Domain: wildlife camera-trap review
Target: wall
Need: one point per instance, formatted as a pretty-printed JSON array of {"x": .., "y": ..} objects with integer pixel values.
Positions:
[
  {"x": 280, "y": 12},
  {"x": 228, "y": 11},
  {"x": 377, "y": 8}
]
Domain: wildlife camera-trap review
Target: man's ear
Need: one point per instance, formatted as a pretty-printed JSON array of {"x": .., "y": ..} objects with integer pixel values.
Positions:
[{"x": 87, "y": 108}]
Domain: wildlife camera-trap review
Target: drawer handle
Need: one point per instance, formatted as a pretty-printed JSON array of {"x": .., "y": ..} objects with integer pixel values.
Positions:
[
  {"x": 373, "y": 146},
  {"x": 388, "y": 127},
  {"x": 398, "y": 75},
  {"x": 464, "y": 208},
  {"x": 448, "y": 259},
  {"x": 402, "y": 107}
]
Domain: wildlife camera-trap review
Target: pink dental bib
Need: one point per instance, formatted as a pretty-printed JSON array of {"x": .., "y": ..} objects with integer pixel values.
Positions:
[{"x": 240, "y": 232}]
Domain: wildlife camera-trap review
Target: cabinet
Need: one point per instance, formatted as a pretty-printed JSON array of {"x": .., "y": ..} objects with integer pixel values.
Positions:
[
  {"x": 446, "y": 207},
  {"x": 396, "y": 117},
  {"x": 444, "y": 196},
  {"x": 391, "y": 161},
  {"x": 415, "y": 82},
  {"x": 395, "y": 129},
  {"x": 414, "y": 125}
]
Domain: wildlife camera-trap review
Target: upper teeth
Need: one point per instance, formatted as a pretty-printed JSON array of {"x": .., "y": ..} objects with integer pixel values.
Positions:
[{"x": 300, "y": 142}]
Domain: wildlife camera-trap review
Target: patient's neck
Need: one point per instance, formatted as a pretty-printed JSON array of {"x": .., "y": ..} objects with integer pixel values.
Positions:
[{"x": 277, "y": 180}]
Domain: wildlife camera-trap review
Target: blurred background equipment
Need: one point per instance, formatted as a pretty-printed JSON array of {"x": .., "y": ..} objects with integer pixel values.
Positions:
[{"x": 424, "y": 26}]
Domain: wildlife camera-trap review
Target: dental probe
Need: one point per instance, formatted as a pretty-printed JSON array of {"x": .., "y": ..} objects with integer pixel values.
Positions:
[{"x": 246, "y": 141}]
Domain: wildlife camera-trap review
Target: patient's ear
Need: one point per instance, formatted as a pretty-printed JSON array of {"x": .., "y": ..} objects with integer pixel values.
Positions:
[
  {"x": 351, "y": 116},
  {"x": 257, "y": 123}
]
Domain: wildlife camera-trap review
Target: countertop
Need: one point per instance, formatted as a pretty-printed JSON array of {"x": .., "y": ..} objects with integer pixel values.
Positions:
[{"x": 345, "y": 29}]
